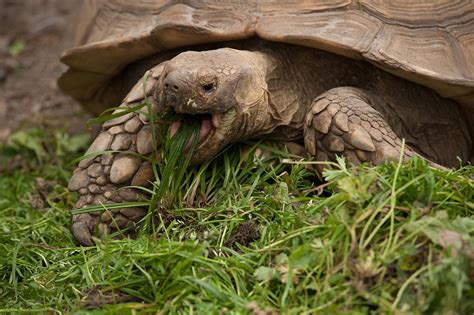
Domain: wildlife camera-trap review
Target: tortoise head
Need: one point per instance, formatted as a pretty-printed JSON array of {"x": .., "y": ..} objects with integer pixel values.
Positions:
[{"x": 224, "y": 89}]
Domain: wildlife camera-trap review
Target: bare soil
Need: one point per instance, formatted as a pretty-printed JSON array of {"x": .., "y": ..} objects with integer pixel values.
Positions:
[{"x": 29, "y": 96}]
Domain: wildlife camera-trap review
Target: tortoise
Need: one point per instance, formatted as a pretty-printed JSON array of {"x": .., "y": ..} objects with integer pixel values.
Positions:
[{"x": 335, "y": 78}]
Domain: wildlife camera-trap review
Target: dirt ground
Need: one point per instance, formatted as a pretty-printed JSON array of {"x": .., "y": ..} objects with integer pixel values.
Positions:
[{"x": 33, "y": 34}]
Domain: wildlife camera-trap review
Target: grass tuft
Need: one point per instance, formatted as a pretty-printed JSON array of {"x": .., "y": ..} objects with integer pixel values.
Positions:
[{"x": 245, "y": 234}]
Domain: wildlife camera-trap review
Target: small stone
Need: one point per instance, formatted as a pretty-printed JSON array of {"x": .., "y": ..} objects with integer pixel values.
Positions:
[
  {"x": 322, "y": 122},
  {"x": 144, "y": 141},
  {"x": 83, "y": 191},
  {"x": 94, "y": 189},
  {"x": 360, "y": 139},
  {"x": 107, "y": 169},
  {"x": 78, "y": 180},
  {"x": 341, "y": 121},
  {"x": 95, "y": 170},
  {"x": 123, "y": 168},
  {"x": 101, "y": 180},
  {"x": 133, "y": 125},
  {"x": 121, "y": 142},
  {"x": 144, "y": 175},
  {"x": 100, "y": 144},
  {"x": 333, "y": 143},
  {"x": 116, "y": 130},
  {"x": 320, "y": 105}
]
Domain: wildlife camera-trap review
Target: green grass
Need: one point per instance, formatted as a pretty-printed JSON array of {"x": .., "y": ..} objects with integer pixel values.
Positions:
[{"x": 244, "y": 235}]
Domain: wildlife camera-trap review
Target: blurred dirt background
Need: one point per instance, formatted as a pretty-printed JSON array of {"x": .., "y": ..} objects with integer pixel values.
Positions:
[{"x": 33, "y": 34}]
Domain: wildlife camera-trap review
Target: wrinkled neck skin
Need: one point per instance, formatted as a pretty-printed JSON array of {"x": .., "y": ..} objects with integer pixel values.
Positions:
[{"x": 279, "y": 109}]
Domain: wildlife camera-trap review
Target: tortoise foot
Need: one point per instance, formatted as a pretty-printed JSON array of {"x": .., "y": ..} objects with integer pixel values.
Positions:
[{"x": 116, "y": 160}]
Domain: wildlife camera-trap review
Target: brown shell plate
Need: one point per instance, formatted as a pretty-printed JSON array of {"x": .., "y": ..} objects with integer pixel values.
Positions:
[{"x": 428, "y": 42}]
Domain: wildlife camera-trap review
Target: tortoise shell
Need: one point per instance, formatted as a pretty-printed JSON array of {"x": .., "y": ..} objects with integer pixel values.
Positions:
[{"x": 428, "y": 42}]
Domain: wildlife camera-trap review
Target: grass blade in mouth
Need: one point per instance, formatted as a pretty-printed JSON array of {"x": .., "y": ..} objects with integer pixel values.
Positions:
[{"x": 173, "y": 165}]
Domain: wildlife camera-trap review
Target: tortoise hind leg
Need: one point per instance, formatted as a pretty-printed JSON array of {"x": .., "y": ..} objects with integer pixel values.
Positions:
[
  {"x": 103, "y": 179},
  {"x": 342, "y": 122}
]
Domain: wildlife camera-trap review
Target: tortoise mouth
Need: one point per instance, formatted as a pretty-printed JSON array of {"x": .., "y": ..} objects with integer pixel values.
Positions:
[
  {"x": 215, "y": 130},
  {"x": 207, "y": 128}
]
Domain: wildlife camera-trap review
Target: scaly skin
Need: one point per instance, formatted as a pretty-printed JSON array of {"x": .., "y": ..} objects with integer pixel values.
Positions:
[{"x": 338, "y": 106}]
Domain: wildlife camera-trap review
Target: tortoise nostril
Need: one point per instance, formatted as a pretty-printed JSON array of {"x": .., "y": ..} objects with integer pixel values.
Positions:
[
  {"x": 175, "y": 87},
  {"x": 166, "y": 85},
  {"x": 208, "y": 87}
]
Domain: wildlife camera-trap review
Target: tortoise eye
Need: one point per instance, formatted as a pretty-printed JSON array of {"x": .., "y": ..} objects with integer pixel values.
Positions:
[{"x": 208, "y": 88}]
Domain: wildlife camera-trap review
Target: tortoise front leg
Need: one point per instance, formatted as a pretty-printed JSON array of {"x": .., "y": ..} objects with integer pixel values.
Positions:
[
  {"x": 103, "y": 179},
  {"x": 342, "y": 122}
]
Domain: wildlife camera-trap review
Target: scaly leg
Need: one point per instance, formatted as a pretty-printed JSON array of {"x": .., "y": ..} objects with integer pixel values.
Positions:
[
  {"x": 342, "y": 122},
  {"x": 102, "y": 179}
]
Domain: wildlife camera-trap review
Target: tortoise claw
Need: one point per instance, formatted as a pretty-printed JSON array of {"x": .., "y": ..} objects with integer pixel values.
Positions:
[{"x": 82, "y": 233}]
